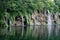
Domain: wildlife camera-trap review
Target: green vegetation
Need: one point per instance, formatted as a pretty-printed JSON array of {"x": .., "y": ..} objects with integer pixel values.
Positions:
[{"x": 12, "y": 8}]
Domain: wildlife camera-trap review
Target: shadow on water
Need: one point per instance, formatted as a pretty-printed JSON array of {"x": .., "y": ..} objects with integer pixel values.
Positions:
[{"x": 39, "y": 33}]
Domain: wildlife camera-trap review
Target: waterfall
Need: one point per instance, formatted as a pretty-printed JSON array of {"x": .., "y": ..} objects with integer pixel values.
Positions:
[
  {"x": 8, "y": 22},
  {"x": 10, "y": 26},
  {"x": 22, "y": 25},
  {"x": 49, "y": 24}
]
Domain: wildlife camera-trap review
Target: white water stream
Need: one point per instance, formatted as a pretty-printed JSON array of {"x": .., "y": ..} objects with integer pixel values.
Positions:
[{"x": 50, "y": 24}]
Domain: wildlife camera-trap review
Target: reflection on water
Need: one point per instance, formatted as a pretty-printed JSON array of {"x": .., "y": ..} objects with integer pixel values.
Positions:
[{"x": 34, "y": 32}]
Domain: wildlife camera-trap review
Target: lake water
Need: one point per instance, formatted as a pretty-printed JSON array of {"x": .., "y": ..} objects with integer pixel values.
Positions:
[{"x": 32, "y": 32}]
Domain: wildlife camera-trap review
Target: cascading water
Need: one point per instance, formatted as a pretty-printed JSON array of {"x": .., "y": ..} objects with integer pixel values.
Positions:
[
  {"x": 22, "y": 25},
  {"x": 49, "y": 24},
  {"x": 8, "y": 22}
]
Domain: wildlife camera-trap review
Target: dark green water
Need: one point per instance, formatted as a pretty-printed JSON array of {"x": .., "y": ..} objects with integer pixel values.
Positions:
[{"x": 41, "y": 33}]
